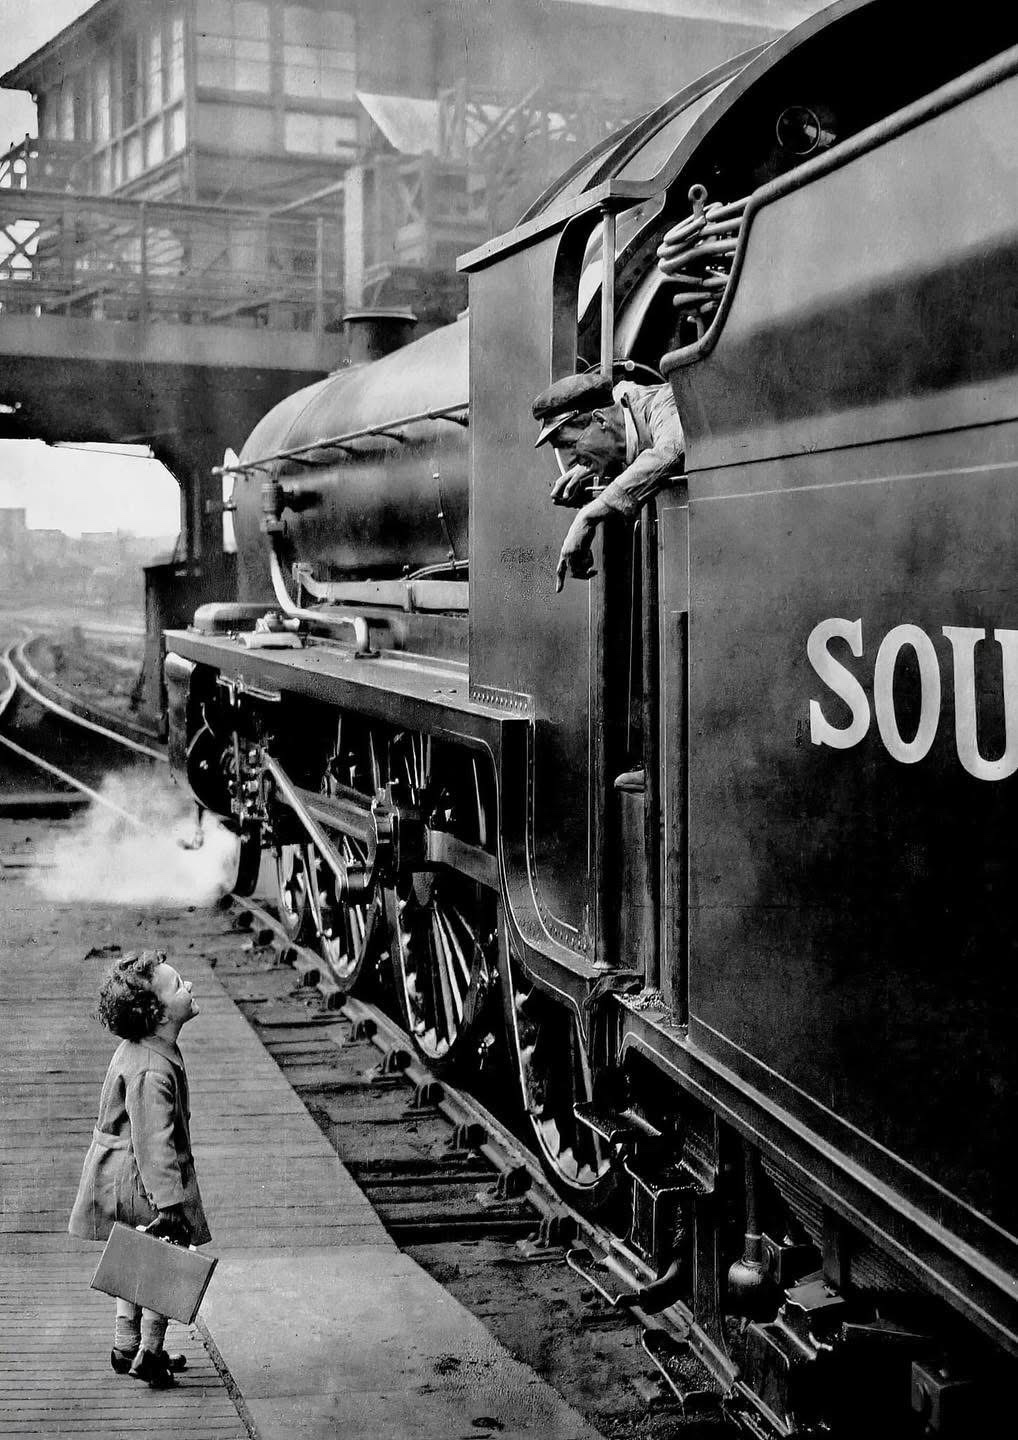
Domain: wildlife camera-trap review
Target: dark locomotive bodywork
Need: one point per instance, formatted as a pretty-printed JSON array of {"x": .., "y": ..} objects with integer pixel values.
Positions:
[
  {"x": 383, "y": 506},
  {"x": 760, "y": 1003}
]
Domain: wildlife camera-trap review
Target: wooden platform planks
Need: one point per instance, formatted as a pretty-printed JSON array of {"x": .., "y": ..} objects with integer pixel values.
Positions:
[
  {"x": 259, "y": 1157},
  {"x": 55, "y": 1375}
]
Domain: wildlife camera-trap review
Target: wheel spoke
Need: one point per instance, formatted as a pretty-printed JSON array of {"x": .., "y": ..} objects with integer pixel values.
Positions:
[
  {"x": 453, "y": 952},
  {"x": 292, "y": 891},
  {"x": 454, "y": 921},
  {"x": 439, "y": 968},
  {"x": 445, "y": 951}
]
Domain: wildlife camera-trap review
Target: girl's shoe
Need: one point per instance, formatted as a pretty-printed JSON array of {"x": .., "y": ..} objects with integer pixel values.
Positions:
[
  {"x": 153, "y": 1366},
  {"x": 122, "y": 1360}
]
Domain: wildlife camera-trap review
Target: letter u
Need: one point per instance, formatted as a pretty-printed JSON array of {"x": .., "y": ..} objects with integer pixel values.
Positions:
[{"x": 964, "y": 640}]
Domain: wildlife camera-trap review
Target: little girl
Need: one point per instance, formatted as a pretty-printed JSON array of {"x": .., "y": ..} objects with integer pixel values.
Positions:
[{"x": 139, "y": 1169}]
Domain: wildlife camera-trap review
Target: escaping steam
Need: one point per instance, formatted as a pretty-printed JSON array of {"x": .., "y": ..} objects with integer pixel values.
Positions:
[{"x": 107, "y": 858}]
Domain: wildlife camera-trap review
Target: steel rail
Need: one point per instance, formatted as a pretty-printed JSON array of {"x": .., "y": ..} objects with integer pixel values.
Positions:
[
  {"x": 500, "y": 1146},
  {"x": 46, "y": 765},
  {"x": 27, "y": 678}
]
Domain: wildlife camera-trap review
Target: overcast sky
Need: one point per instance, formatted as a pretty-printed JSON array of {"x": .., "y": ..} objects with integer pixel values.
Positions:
[{"x": 73, "y": 489}]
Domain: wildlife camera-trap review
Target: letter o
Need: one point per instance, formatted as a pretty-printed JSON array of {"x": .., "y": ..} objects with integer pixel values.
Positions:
[{"x": 907, "y": 751}]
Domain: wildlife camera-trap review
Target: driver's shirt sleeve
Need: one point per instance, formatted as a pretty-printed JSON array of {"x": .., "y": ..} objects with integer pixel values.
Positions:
[{"x": 660, "y": 462}]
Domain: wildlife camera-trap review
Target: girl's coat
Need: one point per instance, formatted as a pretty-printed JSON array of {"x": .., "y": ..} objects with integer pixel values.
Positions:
[{"x": 140, "y": 1157}]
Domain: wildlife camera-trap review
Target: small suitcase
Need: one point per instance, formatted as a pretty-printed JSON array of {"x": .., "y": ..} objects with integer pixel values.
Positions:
[{"x": 153, "y": 1273}]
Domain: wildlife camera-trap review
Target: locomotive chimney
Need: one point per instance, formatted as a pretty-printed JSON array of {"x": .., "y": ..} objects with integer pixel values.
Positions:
[{"x": 370, "y": 334}]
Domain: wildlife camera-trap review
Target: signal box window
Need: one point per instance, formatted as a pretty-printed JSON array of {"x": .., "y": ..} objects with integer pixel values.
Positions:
[
  {"x": 153, "y": 72},
  {"x": 233, "y": 45},
  {"x": 130, "y": 82},
  {"x": 175, "y": 59},
  {"x": 101, "y": 102},
  {"x": 66, "y": 110},
  {"x": 306, "y": 133},
  {"x": 319, "y": 57}
]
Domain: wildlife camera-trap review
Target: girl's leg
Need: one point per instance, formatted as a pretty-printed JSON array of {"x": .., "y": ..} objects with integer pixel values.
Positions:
[
  {"x": 127, "y": 1331},
  {"x": 153, "y": 1330},
  {"x": 126, "y": 1336}
]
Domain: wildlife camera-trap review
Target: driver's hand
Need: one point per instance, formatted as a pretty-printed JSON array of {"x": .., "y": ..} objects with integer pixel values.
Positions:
[
  {"x": 575, "y": 557},
  {"x": 573, "y": 488}
]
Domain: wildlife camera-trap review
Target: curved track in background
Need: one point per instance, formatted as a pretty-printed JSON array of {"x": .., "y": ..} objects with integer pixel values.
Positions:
[
  {"x": 61, "y": 703},
  {"x": 62, "y": 724}
]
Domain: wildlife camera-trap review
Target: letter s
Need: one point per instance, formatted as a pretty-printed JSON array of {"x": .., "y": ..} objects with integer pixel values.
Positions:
[{"x": 839, "y": 679}]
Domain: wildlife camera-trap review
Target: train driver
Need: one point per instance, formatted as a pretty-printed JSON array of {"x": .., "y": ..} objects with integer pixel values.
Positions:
[{"x": 616, "y": 446}]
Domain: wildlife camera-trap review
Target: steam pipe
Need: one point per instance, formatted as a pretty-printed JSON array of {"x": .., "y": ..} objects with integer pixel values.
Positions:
[{"x": 362, "y": 635}]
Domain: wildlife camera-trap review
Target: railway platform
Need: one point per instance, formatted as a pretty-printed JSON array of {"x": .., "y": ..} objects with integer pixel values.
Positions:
[{"x": 315, "y": 1325}]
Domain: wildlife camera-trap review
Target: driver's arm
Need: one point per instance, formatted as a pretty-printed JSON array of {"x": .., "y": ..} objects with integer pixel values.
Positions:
[{"x": 660, "y": 462}]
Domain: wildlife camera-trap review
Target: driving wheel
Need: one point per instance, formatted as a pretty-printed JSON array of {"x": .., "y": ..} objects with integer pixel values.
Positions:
[
  {"x": 442, "y": 924},
  {"x": 292, "y": 867},
  {"x": 345, "y": 931}
]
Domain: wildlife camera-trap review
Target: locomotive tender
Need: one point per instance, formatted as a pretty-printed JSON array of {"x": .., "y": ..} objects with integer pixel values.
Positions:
[{"x": 722, "y": 842}]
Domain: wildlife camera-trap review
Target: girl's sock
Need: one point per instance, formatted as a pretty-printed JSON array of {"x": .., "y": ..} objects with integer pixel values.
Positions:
[
  {"x": 153, "y": 1330},
  {"x": 127, "y": 1330}
]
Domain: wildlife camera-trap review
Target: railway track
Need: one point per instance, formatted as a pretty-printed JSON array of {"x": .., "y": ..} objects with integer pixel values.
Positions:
[
  {"x": 452, "y": 1172},
  {"x": 52, "y": 734}
]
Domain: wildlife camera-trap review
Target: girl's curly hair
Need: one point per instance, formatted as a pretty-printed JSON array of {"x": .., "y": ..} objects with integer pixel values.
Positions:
[{"x": 127, "y": 1004}]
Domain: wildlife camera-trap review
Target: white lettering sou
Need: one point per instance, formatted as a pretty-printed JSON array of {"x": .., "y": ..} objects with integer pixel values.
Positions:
[{"x": 963, "y": 641}]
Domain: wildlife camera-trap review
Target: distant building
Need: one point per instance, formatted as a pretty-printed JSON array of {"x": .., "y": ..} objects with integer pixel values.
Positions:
[
  {"x": 41, "y": 562},
  {"x": 50, "y": 546},
  {"x": 12, "y": 530}
]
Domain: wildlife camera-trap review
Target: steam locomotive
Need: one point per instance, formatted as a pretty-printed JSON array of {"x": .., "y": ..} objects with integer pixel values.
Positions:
[{"x": 721, "y": 843}]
